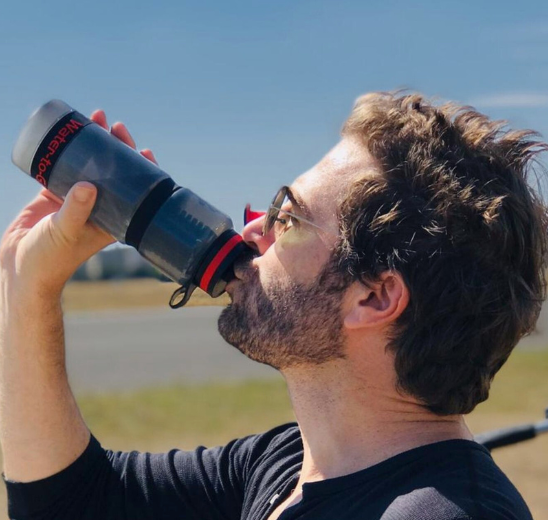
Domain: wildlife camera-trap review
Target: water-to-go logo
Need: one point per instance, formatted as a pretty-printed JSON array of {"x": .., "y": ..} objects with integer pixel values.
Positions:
[{"x": 56, "y": 140}]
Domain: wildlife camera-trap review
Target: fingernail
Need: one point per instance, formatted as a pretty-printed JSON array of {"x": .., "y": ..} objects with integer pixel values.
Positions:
[{"x": 82, "y": 194}]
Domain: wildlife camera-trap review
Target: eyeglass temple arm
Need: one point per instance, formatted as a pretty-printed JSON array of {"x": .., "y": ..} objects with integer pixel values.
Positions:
[{"x": 250, "y": 215}]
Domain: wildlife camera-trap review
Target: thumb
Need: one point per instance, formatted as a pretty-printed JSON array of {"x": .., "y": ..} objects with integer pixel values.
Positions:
[{"x": 76, "y": 210}]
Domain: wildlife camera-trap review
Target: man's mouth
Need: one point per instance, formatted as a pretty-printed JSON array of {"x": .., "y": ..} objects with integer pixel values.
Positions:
[
  {"x": 230, "y": 286},
  {"x": 243, "y": 268}
]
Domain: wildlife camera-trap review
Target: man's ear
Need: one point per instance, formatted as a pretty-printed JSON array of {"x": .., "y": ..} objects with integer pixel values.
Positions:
[{"x": 380, "y": 303}]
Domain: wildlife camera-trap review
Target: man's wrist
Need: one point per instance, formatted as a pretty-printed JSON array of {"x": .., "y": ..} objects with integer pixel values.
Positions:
[{"x": 29, "y": 294}]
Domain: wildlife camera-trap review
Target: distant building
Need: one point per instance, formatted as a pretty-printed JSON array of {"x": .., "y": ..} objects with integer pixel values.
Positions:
[{"x": 116, "y": 263}]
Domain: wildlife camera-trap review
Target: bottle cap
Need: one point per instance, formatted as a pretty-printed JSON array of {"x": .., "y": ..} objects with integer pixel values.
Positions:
[{"x": 34, "y": 131}]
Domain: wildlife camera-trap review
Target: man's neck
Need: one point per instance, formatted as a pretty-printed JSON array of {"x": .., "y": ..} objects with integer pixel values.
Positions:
[{"x": 348, "y": 424}]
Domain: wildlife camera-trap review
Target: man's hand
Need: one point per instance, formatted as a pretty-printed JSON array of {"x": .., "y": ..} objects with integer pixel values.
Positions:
[{"x": 48, "y": 241}]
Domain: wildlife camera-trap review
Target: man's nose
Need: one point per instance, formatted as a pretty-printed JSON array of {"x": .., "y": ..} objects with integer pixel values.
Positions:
[{"x": 253, "y": 230}]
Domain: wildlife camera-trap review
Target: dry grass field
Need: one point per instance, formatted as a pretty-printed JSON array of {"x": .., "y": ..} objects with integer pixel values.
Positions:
[
  {"x": 126, "y": 294},
  {"x": 185, "y": 416}
]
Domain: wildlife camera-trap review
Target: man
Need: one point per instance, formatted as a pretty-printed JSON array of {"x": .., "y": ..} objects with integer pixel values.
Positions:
[{"x": 390, "y": 284}]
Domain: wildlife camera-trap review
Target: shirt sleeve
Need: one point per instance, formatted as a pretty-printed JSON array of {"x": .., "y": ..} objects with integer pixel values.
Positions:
[{"x": 205, "y": 484}]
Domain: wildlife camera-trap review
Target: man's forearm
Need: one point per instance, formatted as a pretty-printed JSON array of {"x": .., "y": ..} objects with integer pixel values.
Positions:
[{"x": 41, "y": 429}]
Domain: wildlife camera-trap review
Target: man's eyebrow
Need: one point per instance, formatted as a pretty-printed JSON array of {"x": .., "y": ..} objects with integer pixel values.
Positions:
[{"x": 297, "y": 201}]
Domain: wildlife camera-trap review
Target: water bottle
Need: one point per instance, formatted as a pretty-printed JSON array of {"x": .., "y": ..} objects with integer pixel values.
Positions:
[{"x": 187, "y": 239}]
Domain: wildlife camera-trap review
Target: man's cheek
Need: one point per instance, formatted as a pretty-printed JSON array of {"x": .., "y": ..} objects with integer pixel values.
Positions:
[
  {"x": 295, "y": 238},
  {"x": 301, "y": 261},
  {"x": 292, "y": 253}
]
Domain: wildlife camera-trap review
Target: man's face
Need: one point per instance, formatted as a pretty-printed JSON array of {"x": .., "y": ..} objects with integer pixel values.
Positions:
[{"x": 286, "y": 301}]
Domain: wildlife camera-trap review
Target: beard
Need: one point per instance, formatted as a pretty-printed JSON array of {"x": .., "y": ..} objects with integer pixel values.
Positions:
[{"x": 287, "y": 324}]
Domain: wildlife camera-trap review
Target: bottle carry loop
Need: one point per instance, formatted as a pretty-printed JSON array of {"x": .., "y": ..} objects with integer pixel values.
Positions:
[{"x": 181, "y": 296}]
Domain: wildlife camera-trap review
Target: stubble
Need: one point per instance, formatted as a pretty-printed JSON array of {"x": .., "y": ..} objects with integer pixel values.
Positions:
[{"x": 287, "y": 324}]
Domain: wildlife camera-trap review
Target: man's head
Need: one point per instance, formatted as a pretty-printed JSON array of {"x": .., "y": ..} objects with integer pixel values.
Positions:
[
  {"x": 286, "y": 303},
  {"x": 429, "y": 207}
]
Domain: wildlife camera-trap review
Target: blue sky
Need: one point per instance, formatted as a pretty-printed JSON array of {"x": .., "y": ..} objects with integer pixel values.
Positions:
[{"x": 239, "y": 97}]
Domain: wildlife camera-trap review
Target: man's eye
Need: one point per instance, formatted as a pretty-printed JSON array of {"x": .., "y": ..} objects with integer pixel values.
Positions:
[
  {"x": 286, "y": 222},
  {"x": 293, "y": 221}
]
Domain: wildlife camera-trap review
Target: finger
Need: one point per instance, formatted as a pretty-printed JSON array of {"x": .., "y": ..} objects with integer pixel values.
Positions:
[
  {"x": 100, "y": 118},
  {"x": 120, "y": 131},
  {"x": 147, "y": 154},
  {"x": 51, "y": 196},
  {"x": 75, "y": 211}
]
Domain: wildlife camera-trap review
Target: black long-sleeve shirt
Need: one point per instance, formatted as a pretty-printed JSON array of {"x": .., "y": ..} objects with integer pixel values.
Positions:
[{"x": 249, "y": 477}]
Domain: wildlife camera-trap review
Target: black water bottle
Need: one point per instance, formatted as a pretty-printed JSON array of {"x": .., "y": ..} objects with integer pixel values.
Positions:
[{"x": 187, "y": 239}]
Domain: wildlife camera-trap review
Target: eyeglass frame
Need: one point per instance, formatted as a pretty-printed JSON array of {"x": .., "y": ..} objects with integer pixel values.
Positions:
[{"x": 271, "y": 216}]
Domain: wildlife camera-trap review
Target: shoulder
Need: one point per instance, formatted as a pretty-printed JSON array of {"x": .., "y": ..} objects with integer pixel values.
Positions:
[
  {"x": 424, "y": 504},
  {"x": 454, "y": 480}
]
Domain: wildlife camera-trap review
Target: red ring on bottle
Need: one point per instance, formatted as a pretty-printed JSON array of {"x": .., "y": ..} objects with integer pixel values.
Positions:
[{"x": 217, "y": 260}]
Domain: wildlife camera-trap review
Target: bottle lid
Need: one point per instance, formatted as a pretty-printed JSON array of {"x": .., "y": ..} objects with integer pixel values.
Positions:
[
  {"x": 34, "y": 131},
  {"x": 215, "y": 270}
]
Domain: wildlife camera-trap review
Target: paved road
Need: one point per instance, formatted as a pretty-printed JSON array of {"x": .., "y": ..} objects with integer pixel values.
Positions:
[{"x": 140, "y": 348}]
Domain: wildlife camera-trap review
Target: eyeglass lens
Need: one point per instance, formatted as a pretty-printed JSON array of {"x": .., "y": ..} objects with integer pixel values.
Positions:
[{"x": 274, "y": 209}]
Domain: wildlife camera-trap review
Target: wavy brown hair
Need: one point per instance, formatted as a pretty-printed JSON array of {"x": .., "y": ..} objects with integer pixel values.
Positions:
[{"x": 452, "y": 211}]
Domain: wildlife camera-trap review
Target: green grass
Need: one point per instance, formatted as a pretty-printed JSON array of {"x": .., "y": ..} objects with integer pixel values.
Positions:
[
  {"x": 520, "y": 388},
  {"x": 185, "y": 416}
]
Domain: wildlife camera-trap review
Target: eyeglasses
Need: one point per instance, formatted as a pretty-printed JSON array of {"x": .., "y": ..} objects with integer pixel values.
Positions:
[{"x": 276, "y": 217}]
